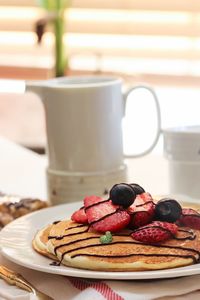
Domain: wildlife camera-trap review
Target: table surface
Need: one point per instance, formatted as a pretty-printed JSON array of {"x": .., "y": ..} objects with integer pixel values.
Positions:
[{"x": 23, "y": 172}]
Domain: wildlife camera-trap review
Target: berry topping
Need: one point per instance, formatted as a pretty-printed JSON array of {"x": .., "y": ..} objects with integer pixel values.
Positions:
[
  {"x": 141, "y": 211},
  {"x": 91, "y": 200},
  {"x": 137, "y": 188},
  {"x": 79, "y": 216},
  {"x": 115, "y": 222},
  {"x": 105, "y": 216},
  {"x": 122, "y": 194},
  {"x": 190, "y": 218},
  {"x": 155, "y": 232},
  {"x": 107, "y": 238},
  {"x": 168, "y": 210},
  {"x": 99, "y": 210}
]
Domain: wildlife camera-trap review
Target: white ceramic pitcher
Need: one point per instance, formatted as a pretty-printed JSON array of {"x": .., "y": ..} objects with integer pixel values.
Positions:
[{"x": 84, "y": 134}]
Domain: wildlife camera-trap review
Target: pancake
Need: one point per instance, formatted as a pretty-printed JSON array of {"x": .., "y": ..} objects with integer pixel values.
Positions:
[
  {"x": 76, "y": 245},
  {"x": 40, "y": 241}
]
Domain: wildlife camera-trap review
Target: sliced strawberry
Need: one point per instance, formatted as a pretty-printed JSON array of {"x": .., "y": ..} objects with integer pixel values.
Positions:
[
  {"x": 141, "y": 211},
  {"x": 104, "y": 216},
  {"x": 145, "y": 196},
  {"x": 90, "y": 200},
  {"x": 190, "y": 218},
  {"x": 113, "y": 223},
  {"x": 155, "y": 232},
  {"x": 99, "y": 210},
  {"x": 79, "y": 216}
]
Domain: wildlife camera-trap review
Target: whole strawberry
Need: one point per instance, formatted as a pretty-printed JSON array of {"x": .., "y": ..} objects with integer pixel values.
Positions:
[
  {"x": 141, "y": 211},
  {"x": 155, "y": 232},
  {"x": 189, "y": 218}
]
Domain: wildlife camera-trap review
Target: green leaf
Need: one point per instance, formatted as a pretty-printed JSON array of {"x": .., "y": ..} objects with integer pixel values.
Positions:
[
  {"x": 107, "y": 238},
  {"x": 109, "y": 234}
]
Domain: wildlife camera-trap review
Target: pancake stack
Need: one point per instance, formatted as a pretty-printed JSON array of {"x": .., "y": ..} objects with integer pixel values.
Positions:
[
  {"x": 135, "y": 236},
  {"x": 73, "y": 245}
]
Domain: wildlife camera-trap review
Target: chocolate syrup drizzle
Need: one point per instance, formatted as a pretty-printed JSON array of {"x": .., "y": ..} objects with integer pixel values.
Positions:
[
  {"x": 134, "y": 254},
  {"x": 56, "y": 222},
  {"x": 191, "y": 215},
  {"x": 95, "y": 204},
  {"x": 143, "y": 204},
  {"x": 69, "y": 234},
  {"x": 82, "y": 225},
  {"x": 189, "y": 236}
]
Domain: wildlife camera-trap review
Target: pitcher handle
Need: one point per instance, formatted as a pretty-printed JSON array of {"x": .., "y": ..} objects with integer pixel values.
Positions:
[{"x": 158, "y": 113}]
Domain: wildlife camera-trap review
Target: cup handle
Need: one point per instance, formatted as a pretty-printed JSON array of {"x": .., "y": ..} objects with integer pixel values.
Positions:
[{"x": 158, "y": 113}]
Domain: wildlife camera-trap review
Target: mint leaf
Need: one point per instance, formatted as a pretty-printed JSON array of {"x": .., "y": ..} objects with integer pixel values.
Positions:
[{"x": 107, "y": 238}]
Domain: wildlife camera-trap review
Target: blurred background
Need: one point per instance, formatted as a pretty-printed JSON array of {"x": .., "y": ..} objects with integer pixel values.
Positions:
[{"x": 150, "y": 41}]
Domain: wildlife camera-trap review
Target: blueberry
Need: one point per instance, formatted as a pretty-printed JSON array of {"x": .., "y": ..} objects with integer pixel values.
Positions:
[
  {"x": 137, "y": 188},
  {"x": 122, "y": 194},
  {"x": 168, "y": 210}
]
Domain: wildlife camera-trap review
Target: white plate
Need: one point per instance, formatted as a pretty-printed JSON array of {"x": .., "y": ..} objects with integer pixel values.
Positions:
[{"x": 16, "y": 237}]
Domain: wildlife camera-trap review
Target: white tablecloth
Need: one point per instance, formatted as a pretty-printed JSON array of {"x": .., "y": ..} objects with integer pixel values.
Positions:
[{"x": 23, "y": 172}]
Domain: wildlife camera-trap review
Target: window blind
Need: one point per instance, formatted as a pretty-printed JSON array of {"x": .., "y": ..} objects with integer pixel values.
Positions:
[{"x": 150, "y": 40}]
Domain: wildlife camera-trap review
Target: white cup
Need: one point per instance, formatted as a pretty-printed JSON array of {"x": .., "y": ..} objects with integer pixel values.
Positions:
[
  {"x": 84, "y": 133},
  {"x": 182, "y": 149}
]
